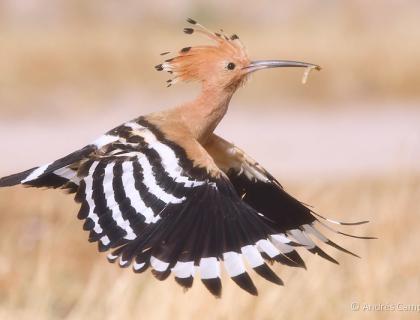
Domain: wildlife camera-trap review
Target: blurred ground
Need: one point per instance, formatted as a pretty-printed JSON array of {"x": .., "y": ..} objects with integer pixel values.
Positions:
[
  {"x": 347, "y": 142},
  {"x": 91, "y": 52}
]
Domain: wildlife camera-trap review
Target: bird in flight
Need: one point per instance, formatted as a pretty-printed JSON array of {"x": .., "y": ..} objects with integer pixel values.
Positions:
[{"x": 164, "y": 192}]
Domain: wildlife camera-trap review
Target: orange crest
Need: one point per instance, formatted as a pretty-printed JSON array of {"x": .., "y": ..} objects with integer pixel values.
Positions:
[{"x": 201, "y": 63}]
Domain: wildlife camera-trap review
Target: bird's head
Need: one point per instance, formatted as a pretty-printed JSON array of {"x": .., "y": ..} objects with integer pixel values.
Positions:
[{"x": 224, "y": 64}]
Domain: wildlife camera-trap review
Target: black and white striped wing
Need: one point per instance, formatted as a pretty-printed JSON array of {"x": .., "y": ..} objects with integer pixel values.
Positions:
[
  {"x": 61, "y": 173},
  {"x": 293, "y": 221},
  {"x": 291, "y": 217},
  {"x": 144, "y": 199}
]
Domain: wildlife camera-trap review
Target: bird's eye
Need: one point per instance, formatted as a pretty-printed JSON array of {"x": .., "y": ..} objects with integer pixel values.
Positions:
[{"x": 231, "y": 66}]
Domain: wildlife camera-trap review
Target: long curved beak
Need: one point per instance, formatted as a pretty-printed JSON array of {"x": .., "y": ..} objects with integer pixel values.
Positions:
[{"x": 265, "y": 64}]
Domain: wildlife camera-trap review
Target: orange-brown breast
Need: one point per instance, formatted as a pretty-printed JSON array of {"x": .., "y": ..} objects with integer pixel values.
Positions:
[{"x": 174, "y": 129}]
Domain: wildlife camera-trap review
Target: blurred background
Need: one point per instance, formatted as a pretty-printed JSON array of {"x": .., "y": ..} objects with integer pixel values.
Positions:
[{"x": 347, "y": 142}]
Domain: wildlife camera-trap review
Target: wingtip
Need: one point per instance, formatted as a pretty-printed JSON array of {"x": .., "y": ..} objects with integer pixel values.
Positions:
[
  {"x": 214, "y": 285},
  {"x": 318, "y": 251},
  {"x": 161, "y": 276},
  {"x": 356, "y": 223},
  {"x": 15, "y": 179},
  {"x": 245, "y": 282},
  {"x": 356, "y": 237},
  {"x": 296, "y": 259},
  {"x": 265, "y": 271},
  {"x": 186, "y": 283},
  {"x": 338, "y": 247}
]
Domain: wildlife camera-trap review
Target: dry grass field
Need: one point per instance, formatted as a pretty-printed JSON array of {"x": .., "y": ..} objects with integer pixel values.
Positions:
[
  {"x": 347, "y": 142},
  {"x": 49, "y": 271}
]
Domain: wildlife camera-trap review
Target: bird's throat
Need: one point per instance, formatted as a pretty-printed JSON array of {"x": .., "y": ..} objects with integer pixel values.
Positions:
[{"x": 204, "y": 113}]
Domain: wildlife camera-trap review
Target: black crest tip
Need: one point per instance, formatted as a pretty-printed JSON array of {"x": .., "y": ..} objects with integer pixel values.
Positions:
[
  {"x": 185, "y": 50},
  {"x": 234, "y": 37},
  {"x": 165, "y": 53},
  {"x": 188, "y": 30},
  {"x": 159, "y": 67},
  {"x": 192, "y": 21}
]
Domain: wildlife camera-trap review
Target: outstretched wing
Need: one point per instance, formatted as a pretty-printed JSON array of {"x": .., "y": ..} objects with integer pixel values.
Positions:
[
  {"x": 144, "y": 198},
  {"x": 260, "y": 190},
  {"x": 61, "y": 173}
]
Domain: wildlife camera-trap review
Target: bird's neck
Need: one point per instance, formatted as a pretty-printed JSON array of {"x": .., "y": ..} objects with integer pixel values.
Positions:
[{"x": 203, "y": 114}]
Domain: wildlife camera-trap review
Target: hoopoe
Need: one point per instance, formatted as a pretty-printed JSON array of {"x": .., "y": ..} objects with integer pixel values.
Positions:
[{"x": 164, "y": 192}]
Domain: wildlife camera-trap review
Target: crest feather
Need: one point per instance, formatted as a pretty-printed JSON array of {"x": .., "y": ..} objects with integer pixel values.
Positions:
[{"x": 188, "y": 63}]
